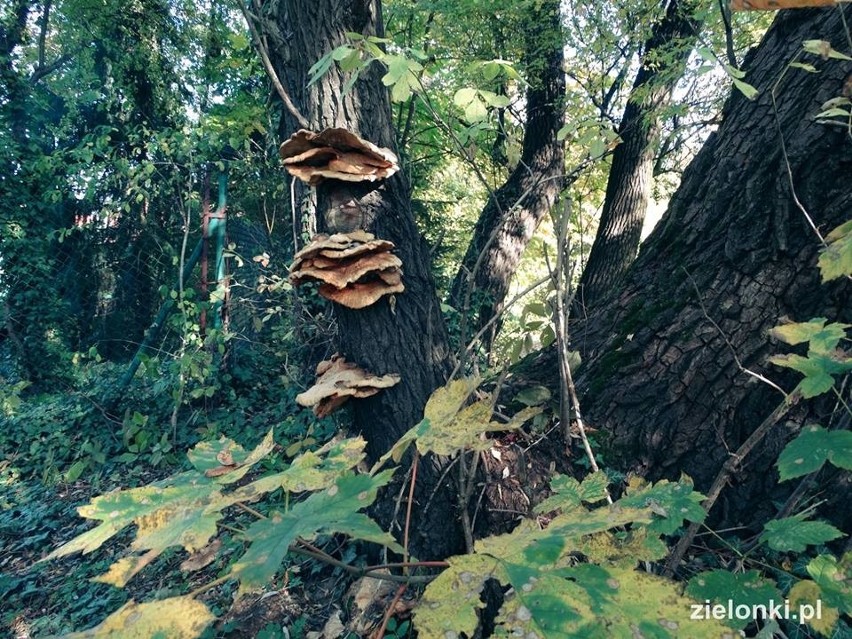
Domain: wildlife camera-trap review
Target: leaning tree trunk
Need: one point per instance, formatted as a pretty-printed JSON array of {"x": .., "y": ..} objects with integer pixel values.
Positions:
[
  {"x": 513, "y": 212},
  {"x": 661, "y": 380},
  {"x": 405, "y": 336},
  {"x": 629, "y": 183}
]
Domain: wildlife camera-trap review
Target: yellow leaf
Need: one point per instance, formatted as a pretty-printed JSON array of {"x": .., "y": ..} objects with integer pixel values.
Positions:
[
  {"x": 808, "y": 593},
  {"x": 175, "y": 618}
]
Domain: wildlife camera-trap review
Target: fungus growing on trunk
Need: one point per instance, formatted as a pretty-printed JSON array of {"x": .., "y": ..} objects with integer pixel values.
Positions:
[
  {"x": 337, "y": 381},
  {"x": 336, "y": 154},
  {"x": 355, "y": 268}
]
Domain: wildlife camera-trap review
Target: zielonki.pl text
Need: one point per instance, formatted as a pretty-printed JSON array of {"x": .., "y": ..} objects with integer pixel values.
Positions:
[{"x": 801, "y": 613}]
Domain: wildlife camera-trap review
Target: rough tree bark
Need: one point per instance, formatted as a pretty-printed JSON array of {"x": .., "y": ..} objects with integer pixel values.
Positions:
[
  {"x": 630, "y": 177},
  {"x": 514, "y": 211},
  {"x": 660, "y": 380},
  {"x": 408, "y": 338}
]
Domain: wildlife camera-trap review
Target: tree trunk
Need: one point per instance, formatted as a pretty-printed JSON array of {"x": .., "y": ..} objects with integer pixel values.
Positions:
[
  {"x": 661, "y": 379},
  {"x": 513, "y": 212},
  {"x": 630, "y": 177},
  {"x": 408, "y": 338}
]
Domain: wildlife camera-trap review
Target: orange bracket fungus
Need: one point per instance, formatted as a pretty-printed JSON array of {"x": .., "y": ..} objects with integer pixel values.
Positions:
[
  {"x": 337, "y": 381},
  {"x": 336, "y": 154},
  {"x": 355, "y": 268}
]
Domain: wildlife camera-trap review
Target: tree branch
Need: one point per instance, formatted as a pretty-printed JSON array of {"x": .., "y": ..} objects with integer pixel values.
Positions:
[{"x": 263, "y": 51}]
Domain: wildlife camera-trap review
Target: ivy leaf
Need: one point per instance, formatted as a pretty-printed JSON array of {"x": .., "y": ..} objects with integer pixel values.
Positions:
[
  {"x": 794, "y": 534},
  {"x": 176, "y": 618},
  {"x": 836, "y": 259},
  {"x": 672, "y": 503},
  {"x": 747, "y": 588},
  {"x": 812, "y": 448}
]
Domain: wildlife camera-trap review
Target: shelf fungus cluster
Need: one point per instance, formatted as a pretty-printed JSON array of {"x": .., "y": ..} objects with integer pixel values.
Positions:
[
  {"x": 337, "y": 381},
  {"x": 355, "y": 269},
  {"x": 336, "y": 154}
]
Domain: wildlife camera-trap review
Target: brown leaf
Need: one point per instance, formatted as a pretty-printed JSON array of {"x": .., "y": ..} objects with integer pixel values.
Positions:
[{"x": 202, "y": 558}]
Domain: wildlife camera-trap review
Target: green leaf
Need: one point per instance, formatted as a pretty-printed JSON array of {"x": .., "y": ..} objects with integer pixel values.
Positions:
[
  {"x": 209, "y": 457},
  {"x": 745, "y": 88},
  {"x": 823, "y": 49},
  {"x": 742, "y": 589},
  {"x": 533, "y": 396},
  {"x": 332, "y": 510},
  {"x": 795, "y": 534},
  {"x": 569, "y": 493},
  {"x": 445, "y": 403},
  {"x": 817, "y": 368},
  {"x": 175, "y": 618},
  {"x": 320, "y": 68},
  {"x": 834, "y": 579},
  {"x": 822, "y": 338},
  {"x": 451, "y": 602},
  {"x": 807, "y": 592},
  {"x": 812, "y": 448},
  {"x": 671, "y": 503},
  {"x": 149, "y": 506},
  {"x": 805, "y": 67},
  {"x": 836, "y": 259},
  {"x": 464, "y": 97},
  {"x": 464, "y": 431}
]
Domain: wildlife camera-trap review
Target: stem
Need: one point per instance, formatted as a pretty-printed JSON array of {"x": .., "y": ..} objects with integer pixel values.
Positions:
[{"x": 725, "y": 473}]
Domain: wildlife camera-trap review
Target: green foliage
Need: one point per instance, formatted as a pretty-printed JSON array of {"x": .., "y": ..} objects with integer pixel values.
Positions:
[
  {"x": 812, "y": 448},
  {"x": 549, "y": 595},
  {"x": 746, "y": 589},
  {"x": 794, "y": 534},
  {"x": 824, "y": 359},
  {"x": 836, "y": 260}
]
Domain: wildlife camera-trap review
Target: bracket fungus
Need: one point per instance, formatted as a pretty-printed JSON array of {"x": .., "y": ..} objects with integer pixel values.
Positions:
[
  {"x": 336, "y": 154},
  {"x": 355, "y": 268},
  {"x": 337, "y": 381}
]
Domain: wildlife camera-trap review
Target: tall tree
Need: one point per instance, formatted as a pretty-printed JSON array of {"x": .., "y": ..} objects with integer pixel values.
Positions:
[
  {"x": 409, "y": 337},
  {"x": 629, "y": 181},
  {"x": 514, "y": 211},
  {"x": 734, "y": 255}
]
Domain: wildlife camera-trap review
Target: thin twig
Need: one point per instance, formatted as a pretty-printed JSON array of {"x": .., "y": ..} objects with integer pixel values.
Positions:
[
  {"x": 413, "y": 483},
  {"x": 270, "y": 70},
  {"x": 728, "y": 468},
  {"x": 737, "y": 361},
  {"x": 399, "y": 592}
]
